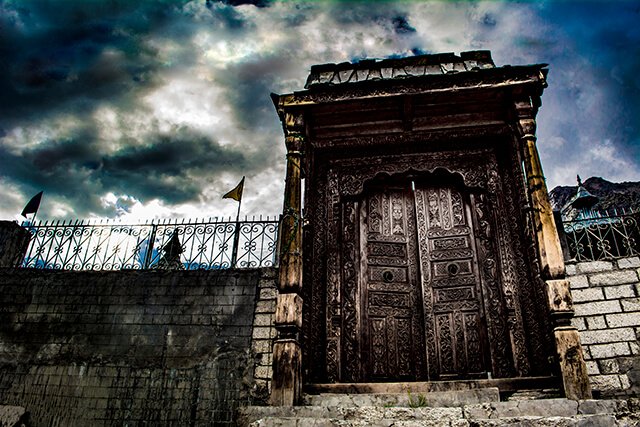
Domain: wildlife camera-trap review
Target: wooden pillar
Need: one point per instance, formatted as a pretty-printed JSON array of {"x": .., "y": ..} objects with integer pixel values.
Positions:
[
  {"x": 570, "y": 356},
  {"x": 569, "y": 352},
  {"x": 549, "y": 249},
  {"x": 286, "y": 388}
]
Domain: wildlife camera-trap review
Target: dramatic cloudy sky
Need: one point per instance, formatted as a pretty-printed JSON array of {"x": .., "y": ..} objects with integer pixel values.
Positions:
[{"x": 154, "y": 108}]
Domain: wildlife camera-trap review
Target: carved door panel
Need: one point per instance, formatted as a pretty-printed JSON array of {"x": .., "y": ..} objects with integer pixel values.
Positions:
[
  {"x": 421, "y": 315},
  {"x": 391, "y": 319},
  {"x": 454, "y": 316}
]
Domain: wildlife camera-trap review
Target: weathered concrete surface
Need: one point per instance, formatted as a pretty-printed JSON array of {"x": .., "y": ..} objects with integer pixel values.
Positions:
[{"x": 127, "y": 347}]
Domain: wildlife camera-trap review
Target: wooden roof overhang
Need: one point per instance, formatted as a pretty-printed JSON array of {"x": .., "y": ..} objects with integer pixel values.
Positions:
[{"x": 451, "y": 105}]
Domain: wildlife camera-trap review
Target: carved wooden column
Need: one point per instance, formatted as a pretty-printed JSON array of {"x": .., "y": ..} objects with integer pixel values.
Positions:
[
  {"x": 286, "y": 387},
  {"x": 568, "y": 349},
  {"x": 575, "y": 378}
]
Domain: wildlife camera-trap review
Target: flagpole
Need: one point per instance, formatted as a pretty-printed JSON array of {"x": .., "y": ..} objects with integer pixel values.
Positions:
[
  {"x": 238, "y": 214},
  {"x": 236, "y": 236},
  {"x": 33, "y": 219},
  {"x": 236, "y": 194}
]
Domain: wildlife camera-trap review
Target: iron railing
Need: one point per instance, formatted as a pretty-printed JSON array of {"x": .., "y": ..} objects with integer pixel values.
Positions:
[
  {"x": 603, "y": 235},
  {"x": 212, "y": 244}
]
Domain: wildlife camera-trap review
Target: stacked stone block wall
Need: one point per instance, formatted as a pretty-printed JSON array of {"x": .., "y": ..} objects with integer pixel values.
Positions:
[
  {"x": 264, "y": 333},
  {"x": 130, "y": 347},
  {"x": 606, "y": 296}
]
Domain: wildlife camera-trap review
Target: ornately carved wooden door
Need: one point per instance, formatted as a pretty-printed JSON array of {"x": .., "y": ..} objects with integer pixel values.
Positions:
[
  {"x": 421, "y": 312},
  {"x": 454, "y": 316},
  {"x": 393, "y": 335}
]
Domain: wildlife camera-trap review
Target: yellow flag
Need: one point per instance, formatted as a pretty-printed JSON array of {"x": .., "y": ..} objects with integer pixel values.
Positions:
[{"x": 236, "y": 193}]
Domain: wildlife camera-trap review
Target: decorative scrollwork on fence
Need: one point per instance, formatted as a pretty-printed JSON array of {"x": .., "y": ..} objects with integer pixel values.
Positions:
[
  {"x": 600, "y": 236},
  {"x": 173, "y": 245}
]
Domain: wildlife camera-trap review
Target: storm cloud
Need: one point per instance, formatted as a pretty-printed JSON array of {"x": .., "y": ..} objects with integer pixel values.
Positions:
[{"x": 157, "y": 108}]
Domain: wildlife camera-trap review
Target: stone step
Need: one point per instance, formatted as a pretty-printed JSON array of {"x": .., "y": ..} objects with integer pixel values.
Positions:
[
  {"x": 532, "y": 394},
  {"x": 505, "y": 385},
  {"x": 551, "y": 412},
  {"x": 407, "y": 399},
  {"x": 368, "y": 414},
  {"x": 575, "y": 421}
]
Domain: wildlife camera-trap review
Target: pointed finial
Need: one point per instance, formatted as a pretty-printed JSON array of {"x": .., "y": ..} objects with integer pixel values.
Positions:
[{"x": 579, "y": 181}]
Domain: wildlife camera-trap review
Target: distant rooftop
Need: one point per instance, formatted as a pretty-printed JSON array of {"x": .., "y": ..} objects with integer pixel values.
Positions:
[{"x": 387, "y": 69}]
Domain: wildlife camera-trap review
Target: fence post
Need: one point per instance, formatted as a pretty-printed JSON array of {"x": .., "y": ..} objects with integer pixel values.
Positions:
[
  {"x": 236, "y": 238},
  {"x": 557, "y": 217},
  {"x": 148, "y": 256}
]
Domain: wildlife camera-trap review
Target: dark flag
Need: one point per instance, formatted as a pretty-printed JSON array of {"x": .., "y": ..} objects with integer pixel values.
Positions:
[
  {"x": 33, "y": 205},
  {"x": 236, "y": 193}
]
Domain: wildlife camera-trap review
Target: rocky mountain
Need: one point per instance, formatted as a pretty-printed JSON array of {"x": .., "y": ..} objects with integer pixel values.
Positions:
[{"x": 623, "y": 195}]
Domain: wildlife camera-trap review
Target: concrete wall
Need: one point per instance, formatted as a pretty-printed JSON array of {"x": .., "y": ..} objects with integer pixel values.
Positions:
[
  {"x": 134, "y": 347},
  {"x": 607, "y": 305}
]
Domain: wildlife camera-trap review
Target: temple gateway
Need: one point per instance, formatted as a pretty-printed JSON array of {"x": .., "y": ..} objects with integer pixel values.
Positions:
[{"x": 428, "y": 250}]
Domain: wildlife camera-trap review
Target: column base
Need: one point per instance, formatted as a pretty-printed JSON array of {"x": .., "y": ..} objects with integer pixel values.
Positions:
[
  {"x": 573, "y": 370},
  {"x": 286, "y": 388}
]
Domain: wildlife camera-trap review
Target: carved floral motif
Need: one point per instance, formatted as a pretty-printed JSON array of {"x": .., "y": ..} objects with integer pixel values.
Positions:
[{"x": 336, "y": 255}]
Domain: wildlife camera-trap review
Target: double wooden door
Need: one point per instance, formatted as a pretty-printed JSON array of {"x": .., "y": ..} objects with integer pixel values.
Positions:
[{"x": 421, "y": 312}]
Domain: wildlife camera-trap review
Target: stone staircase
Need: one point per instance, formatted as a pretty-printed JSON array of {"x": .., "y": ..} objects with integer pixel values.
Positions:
[{"x": 458, "y": 408}]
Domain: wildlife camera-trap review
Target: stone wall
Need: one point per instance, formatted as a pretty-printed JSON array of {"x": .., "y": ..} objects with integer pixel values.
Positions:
[
  {"x": 134, "y": 347},
  {"x": 607, "y": 306},
  {"x": 14, "y": 241},
  {"x": 264, "y": 333}
]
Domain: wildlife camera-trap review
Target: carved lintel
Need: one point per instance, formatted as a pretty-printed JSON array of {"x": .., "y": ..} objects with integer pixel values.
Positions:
[
  {"x": 573, "y": 370},
  {"x": 289, "y": 310},
  {"x": 560, "y": 301}
]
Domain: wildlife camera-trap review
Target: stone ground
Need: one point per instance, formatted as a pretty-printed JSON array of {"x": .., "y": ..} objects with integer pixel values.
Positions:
[
  {"x": 13, "y": 416},
  {"x": 470, "y": 408}
]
